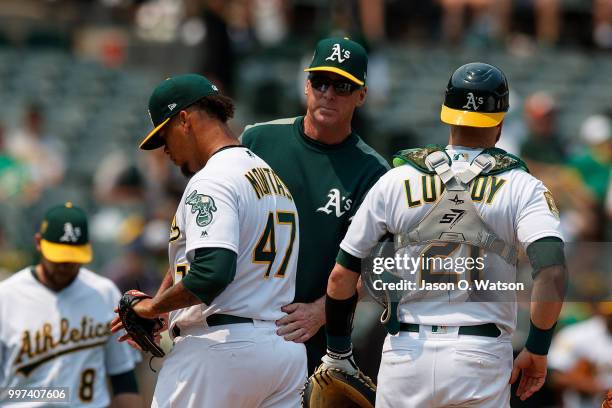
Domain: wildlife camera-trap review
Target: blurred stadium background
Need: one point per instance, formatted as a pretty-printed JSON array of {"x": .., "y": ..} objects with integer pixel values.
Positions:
[{"x": 75, "y": 76}]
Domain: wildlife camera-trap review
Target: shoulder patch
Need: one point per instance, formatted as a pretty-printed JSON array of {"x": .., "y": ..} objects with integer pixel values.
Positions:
[
  {"x": 204, "y": 205},
  {"x": 504, "y": 161},
  {"x": 551, "y": 203},
  {"x": 416, "y": 157}
]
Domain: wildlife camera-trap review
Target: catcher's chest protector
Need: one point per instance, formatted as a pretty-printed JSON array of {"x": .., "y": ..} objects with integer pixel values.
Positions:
[{"x": 454, "y": 218}]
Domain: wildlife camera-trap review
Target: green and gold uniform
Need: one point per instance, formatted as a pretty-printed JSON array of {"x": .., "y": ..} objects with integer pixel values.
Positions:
[{"x": 328, "y": 182}]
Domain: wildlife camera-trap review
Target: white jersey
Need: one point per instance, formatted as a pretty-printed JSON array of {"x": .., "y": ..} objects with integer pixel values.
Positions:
[
  {"x": 591, "y": 342},
  {"x": 516, "y": 206},
  {"x": 61, "y": 339},
  {"x": 238, "y": 203}
]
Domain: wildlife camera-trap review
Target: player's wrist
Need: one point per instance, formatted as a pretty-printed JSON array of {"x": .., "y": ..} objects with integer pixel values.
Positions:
[
  {"x": 340, "y": 354},
  {"x": 145, "y": 309},
  {"x": 538, "y": 340}
]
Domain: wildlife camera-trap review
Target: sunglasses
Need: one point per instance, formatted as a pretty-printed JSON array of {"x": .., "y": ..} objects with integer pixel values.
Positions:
[{"x": 322, "y": 83}]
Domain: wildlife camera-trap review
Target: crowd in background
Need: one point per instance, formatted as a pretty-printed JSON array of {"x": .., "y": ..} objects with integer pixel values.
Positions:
[{"x": 131, "y": 200}]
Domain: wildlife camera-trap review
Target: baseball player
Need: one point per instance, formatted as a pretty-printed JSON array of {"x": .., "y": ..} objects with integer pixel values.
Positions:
[
  {"x": 581, "y": 359},
  {"x": 233, "y": 251},
  {"x": 465, "y": 198},
  {"x": 55, "y": 323},
  {"x": 329, "y": 169}
]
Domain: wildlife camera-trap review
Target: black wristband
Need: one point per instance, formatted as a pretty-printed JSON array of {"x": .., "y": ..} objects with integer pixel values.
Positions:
[
  {"x": 538, "y": 341},
  {"x": 339, "y": 322}
]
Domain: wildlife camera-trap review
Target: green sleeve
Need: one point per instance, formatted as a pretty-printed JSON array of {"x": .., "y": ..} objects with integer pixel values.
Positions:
[
  {"x": 348, "y": 261},
  {"x": 211, "y": 270},
  {"x": 124, "y": 383},
  {"x": 545, "y": 252}
]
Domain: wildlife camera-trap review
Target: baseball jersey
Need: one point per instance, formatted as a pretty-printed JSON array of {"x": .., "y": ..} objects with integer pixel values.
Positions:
[
  {"x": 516, "y": 206},
  {"x": 328, "y": 183},
  {"x": 61, "y": 339},
  {"x": 238, "y": 203},
  {"x": 589, "y": 341}
]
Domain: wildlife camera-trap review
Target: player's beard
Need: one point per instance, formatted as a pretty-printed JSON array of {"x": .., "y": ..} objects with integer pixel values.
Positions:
[{"x": 56, "y": 280}]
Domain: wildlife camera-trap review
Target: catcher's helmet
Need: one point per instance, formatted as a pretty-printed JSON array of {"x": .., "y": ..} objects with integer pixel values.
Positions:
[{"x": 476, "y": 95}]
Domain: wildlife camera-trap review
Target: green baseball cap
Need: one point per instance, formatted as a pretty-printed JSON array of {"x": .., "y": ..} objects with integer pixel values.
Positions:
[
  {"x": 169, "y": 98},
  {"x": 65, "y": 236},
  {"x": 341, "y": 56}
]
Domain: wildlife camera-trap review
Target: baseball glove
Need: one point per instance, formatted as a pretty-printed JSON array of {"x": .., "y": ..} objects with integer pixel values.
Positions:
[
  {"x": 334, "y": 388},
  {"x": 607, "y": 403},
  {"x": 141, "y": 330}
]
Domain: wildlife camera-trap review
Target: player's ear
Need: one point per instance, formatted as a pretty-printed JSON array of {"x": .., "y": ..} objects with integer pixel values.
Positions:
[
  {"x": 362, "y": 95},
  {"x": 37, "y": 239},
  {"x": 499, "y": 130},
  {"x": 183, "y": 118},
  {"x": 306, "y": 87}
]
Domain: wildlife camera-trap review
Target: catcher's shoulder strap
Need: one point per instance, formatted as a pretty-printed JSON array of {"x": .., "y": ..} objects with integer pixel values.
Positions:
[
  {"x": 454, "y": 218},
  {"x": 504, "y": 161},
  {"x": 416, "y": 158}
]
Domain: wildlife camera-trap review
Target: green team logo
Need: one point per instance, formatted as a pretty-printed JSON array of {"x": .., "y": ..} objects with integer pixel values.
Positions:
[{"x": 204, "y": 205}]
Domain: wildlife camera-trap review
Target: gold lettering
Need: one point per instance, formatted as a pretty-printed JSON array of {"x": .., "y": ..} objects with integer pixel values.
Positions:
[
  {"x": 38, "y": 339},
  {"x": 254, "y": 184},
  {"x": 42, "y": 341},
  {"x": 409, "y": 195},
  {"x": 428, "y": 183},
  {"x": 496, "y": 184},
  {"x": 48, "y": 343},
  {"x": 26, "y": 347},
  {"x": 100, "y": 330},
  {"x": 478, "y": 188},
  {"x": 270, "y": 180},
  {"x": 263, "y": 181},
  {"x": 84, "y": 321},
  {"x": 75, "y": 335},
  {"x": 284, "y": 186},
  {"x": 91, "y": 333},
  {"x": 279, "y": 185}
]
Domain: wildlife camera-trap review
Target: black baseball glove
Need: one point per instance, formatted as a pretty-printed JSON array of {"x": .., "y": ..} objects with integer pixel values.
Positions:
[{"x": 141, "y": 330}]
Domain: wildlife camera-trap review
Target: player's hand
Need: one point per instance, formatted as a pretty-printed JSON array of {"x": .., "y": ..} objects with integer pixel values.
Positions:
[
  {"x": 345, "y": 363},
  {"x": 144, "y": 309},
  {"x": 532, "y": 369},
  {"x": 116, "y": 325},
  {"x": 303, "y": 321}
]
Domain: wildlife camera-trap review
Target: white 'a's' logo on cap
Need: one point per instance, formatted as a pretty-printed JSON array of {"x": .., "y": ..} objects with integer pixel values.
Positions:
[
  {"x": 338, "y": 54},
  {"x": 71, "y": 233},
  {"x": 472, "y": 102}
]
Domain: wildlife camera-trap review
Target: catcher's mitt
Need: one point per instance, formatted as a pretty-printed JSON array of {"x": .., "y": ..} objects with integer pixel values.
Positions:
[
  {"x": 141, "y": 330},
  {"x": 607, "y": 403},
  {"x": 334, "y": 388}
]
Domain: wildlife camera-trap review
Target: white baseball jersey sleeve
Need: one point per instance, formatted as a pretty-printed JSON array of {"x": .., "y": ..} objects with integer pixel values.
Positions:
[
  {"x": 515, "y": 205},
  {"x": 237, "y": 202},
  {"x": 61, "y": 339}
]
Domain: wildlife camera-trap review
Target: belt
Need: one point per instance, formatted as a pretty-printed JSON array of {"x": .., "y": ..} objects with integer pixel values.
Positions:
[
  {"x": 217, "y": 320},
  {"x": 486, "y": 330}
]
